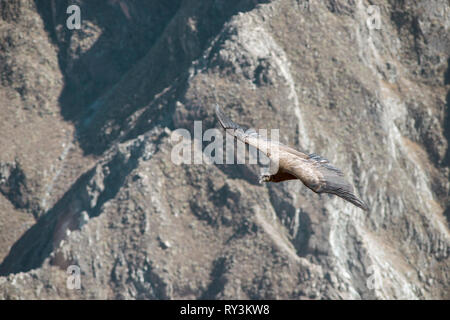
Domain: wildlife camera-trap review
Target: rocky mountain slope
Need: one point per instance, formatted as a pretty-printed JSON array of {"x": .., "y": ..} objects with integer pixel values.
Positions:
[{"x": 86, "y": 125}]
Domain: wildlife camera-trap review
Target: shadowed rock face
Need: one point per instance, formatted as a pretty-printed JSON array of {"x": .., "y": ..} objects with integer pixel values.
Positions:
[{"x": 86, "y": 176}]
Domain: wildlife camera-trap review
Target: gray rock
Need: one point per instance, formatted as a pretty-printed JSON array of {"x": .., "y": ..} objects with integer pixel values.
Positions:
[{"x": 90, "y": 118}]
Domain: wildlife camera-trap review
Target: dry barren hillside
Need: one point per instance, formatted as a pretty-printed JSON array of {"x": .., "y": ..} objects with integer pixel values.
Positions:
[{"x": 86, "y": 121}]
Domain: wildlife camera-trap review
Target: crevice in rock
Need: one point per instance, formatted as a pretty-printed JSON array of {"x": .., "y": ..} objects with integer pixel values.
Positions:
[
  {"x": 447, "y": 73},
  {"x": 14, "y": 185},
  {"x": 218, "y": 279},
  {"x": 30, "y": 251},
  {"x": 295, "y": 220},
  {"x": 446, "y": 129},
  {"x": 302, "y": 234},
  {"x": 89, "y": 72}
]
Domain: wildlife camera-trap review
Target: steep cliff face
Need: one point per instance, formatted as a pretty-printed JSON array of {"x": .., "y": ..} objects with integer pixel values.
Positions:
[{"x": 86, "y": 176}]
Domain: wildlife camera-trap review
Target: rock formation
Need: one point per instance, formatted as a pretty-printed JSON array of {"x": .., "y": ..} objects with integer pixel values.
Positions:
[{"x": 86, "y": 176}]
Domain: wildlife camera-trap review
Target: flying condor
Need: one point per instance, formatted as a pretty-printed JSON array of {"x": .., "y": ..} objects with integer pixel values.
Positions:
[{"x": 316, "y": 172}]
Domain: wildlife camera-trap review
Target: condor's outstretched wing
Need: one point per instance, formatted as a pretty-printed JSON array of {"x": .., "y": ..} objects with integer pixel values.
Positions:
[{"x": 252, "y": 138}]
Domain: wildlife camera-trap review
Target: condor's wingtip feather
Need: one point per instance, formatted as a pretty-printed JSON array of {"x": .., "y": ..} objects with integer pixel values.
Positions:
[
  {"x": 225, "y": 122},
  {"x": 336, "y": 184},
  {"x": 350, "y": 197},
  {"x": 358, "y": 202}
]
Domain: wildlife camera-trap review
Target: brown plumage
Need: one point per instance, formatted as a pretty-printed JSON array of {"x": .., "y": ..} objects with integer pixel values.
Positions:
[{"x": 314, "y": 171}]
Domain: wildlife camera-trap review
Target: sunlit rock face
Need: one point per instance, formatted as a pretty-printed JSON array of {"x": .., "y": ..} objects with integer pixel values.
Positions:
[{"x": 88, "y": 119}]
